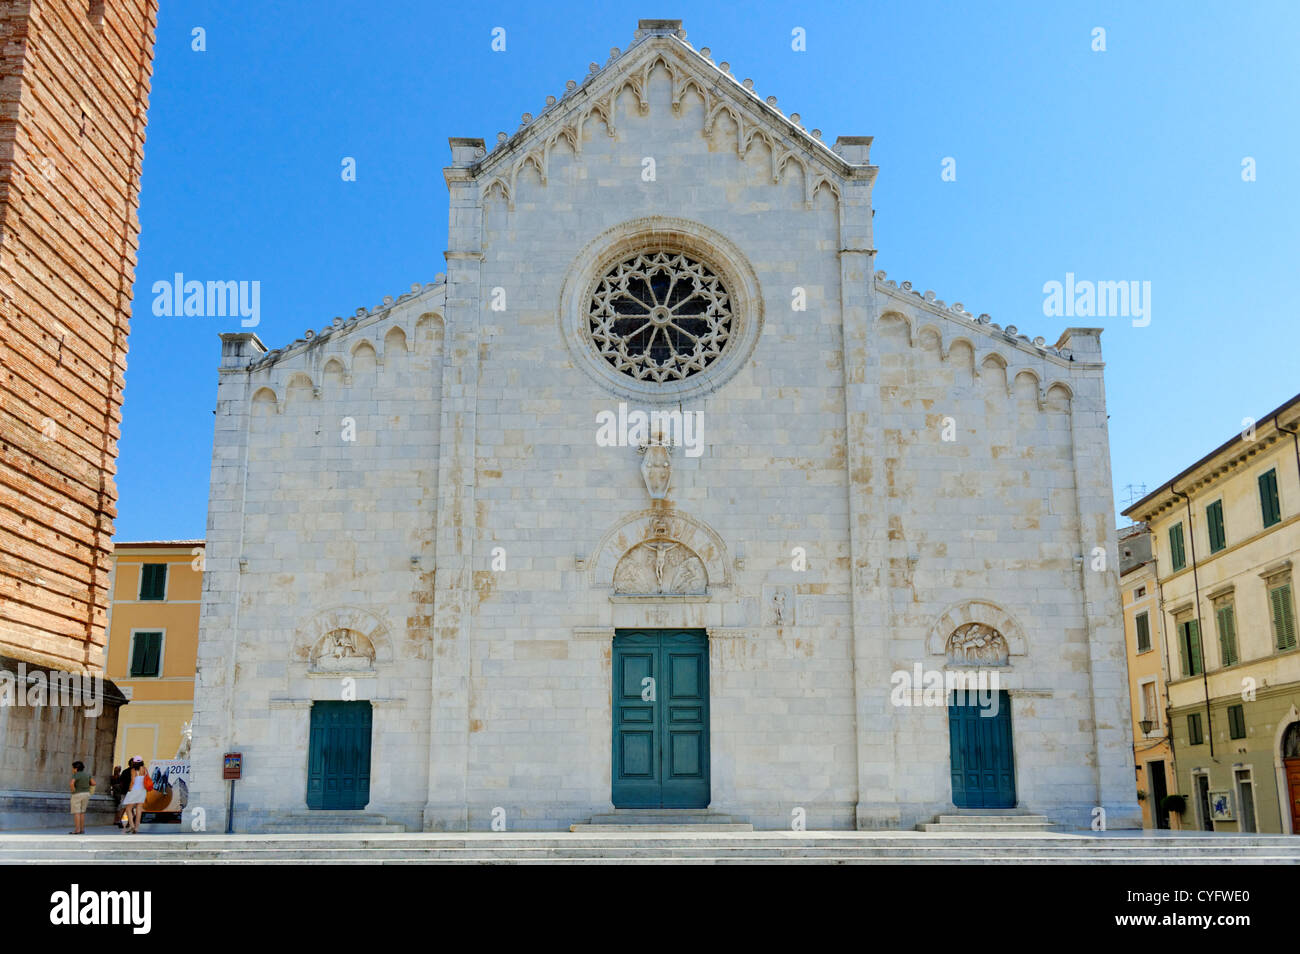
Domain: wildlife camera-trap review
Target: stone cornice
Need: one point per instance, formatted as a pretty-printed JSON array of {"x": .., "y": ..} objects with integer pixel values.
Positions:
[
  {"x": 1226, "y": 457},
  {"x": 1206, "y": 474},
  {"x": 364, "y": 318},
  {"x": 982, "y": 325}
]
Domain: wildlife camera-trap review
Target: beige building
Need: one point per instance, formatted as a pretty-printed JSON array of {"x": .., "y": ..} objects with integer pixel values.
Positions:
[
  {"x": 153, "y": 632},
  {"x": 1226, "y": 535},
  {"x": 1153, "y": 755}
]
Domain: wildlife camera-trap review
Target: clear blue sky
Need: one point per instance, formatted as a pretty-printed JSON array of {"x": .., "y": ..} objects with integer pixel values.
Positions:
[{"x": 1117, "y": 165}]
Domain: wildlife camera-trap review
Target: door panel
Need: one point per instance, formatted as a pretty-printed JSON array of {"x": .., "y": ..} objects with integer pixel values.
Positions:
[
  {"x": 661, "y": 719},
  {"x": 338, "y": 755},
  {"x": 982, "y": 754},
  {"x": 1293, "y": 790}
]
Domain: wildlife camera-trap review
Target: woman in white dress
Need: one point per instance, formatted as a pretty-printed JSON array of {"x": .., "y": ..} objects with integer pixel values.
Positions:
[{"x": 134, "y": 800}]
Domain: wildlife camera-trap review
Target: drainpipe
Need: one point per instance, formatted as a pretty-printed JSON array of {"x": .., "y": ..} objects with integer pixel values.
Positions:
[
  {"x": 1295, "y": 439},
  {"x": 1168, "y": 668},
  {"x": 1196, "y": 584}
]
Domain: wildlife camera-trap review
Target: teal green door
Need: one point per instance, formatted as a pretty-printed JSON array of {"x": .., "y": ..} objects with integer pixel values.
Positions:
[
  {"x": 338, "y": 755},
  {"x": 661, "y": 719},
  {"x": 983, "y": 759}
]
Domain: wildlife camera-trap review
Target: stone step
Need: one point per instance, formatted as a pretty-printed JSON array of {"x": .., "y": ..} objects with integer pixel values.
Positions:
[
  {"x": 986, "y": 827},
  {"x": 661, "y": 826},
  {"x": 334, "y": 822},
  {"x": 997, "y": 819},
  {"x": 661, "y": 819},
  {"x": 696, "y": 847},
  {"x": 986, "y": 820},
  {"x": 635, "y": 852},
  {"x": 925, "y": 858}
]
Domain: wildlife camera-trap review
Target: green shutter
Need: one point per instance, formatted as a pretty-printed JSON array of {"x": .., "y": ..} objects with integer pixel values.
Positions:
[
  {"x": 1177, "y": 558},
  {"x": 1214, "y": 521},
  {"x": 138, "y": 648},
  {"x": 1236, "y": 722},
  {"x": 1227, "y": 635},
  {"x": 1269, "y": 504},
  {"x": 1283, "y": 616},
  {"x": 153, "y": 581},
  {"x": 1190, "y": 647},
  {"x": 1143, "y": 632},
  {"x": 1194, "y": 729},
  {"x": 146, "y": 654}
]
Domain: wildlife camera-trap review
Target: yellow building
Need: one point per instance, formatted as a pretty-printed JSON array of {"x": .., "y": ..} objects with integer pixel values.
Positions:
[
  {"x": 1226, "y": 540},
  {"x": 1153, "y": 756},
  {"x": 153, "y": 630}
]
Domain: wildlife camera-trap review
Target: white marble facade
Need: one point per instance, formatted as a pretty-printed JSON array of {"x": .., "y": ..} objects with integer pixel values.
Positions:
[{"x": 413, "y": 506}]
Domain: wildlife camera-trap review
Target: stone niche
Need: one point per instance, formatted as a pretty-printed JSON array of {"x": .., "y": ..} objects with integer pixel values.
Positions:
[
  {"x": 977, "y": 644},
  {"x": 343, "y": 650},
  {"x": 342, "y": 639},
  {"x": 659, "y": 553},
  {"x": 976, "y": 633},
  {"x": 660, "y": 567}
]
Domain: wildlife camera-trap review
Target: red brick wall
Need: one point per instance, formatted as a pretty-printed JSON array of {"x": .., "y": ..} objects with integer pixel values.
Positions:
[{"x": 74, "y": 87}]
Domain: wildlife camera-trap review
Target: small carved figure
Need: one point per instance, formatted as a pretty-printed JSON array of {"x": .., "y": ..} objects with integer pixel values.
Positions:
[{"x": 661, "y": 556}]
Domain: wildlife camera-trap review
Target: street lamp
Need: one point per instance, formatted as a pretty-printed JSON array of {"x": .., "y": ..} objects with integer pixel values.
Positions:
[{"x": 1145, "y": 725}]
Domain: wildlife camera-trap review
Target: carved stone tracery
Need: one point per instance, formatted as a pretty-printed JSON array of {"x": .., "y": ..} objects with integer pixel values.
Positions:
[{"x": 660, "y": 315}]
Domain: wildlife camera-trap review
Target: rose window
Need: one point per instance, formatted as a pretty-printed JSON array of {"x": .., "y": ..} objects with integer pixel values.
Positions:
[{"x": 660, "y": 316}]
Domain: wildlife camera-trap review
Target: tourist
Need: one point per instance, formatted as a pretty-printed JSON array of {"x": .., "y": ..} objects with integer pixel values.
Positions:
[
  {"x": 134, "y": 800},
  {"x": 81, "y": 785}
]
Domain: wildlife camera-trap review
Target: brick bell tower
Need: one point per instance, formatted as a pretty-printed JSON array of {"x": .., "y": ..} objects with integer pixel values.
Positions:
[{"x": 74, "y": 86}]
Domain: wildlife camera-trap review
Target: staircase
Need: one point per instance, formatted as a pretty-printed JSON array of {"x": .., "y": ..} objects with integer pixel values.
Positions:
[
  {"x": 662, "y": 820},
  {"x": 988, "y": 821},
  {"x": 657, "y": 848},
  {"x": 331, "y": 822}
]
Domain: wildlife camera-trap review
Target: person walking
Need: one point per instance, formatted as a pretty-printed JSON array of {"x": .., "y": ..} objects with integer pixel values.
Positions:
[
  {"x": 80, "y": 785},
  {"x": 133, "y": 802},
  {"x": 117, "y": 789}
]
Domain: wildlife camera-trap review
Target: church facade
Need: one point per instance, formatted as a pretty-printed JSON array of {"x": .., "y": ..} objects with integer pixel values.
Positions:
[{"x": 663, "y": 497}]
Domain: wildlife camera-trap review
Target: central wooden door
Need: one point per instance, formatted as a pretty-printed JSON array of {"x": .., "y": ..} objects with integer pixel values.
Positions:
[
  {"x": 981, "y": 752},
  {"x": 1293, "y": 792},
  {"x": 661, "y": 719},
  {"x": 338, "y": 755}
]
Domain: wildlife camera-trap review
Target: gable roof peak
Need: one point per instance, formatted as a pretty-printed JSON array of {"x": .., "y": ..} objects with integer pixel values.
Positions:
[
  {"x": 646, "y": 28},
  {"x": 848, "y": 158}
]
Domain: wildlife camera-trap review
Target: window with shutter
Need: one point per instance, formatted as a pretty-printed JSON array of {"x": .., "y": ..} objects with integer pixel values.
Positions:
[
  {"x": 1143, "y": 622},
  {"x": 1177, "y": 558},
  {"x": 1214, "y": 521},
  {"x": 1283, "y": 612},
  {"x": 146, "y": 654},
  {"x": 1227, "y": 623},
  {"x": 153, "y": 581},
  {"x": 1149, "y": 703},
  {"x": 1236, "y": 722},
  {"x": 1269, "y": 504},
  {"x": 1189, "y": 644},
  {"x": 1194, "y": 736}
]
